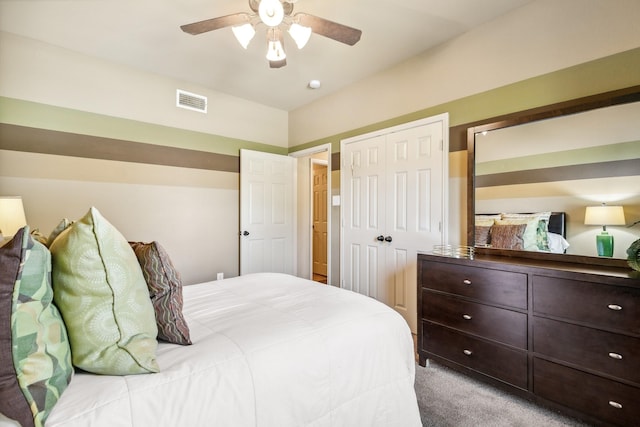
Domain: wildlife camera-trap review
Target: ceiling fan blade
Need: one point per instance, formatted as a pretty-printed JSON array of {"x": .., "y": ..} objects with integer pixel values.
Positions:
[
  {"x": 215, "y": 23},
  {"x": 330, "y": 29},
  {"x": 278, "y": 64}
]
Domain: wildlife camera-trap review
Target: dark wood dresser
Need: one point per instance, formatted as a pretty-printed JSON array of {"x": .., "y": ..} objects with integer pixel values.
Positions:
[{"x": 565, "y": 335}]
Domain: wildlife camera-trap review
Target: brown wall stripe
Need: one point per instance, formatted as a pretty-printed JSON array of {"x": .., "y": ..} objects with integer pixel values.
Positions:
[
  {"x": 28, "y": 139},
  {"x": 335, "y": 161},
  {"x": 562, "y": 173}
]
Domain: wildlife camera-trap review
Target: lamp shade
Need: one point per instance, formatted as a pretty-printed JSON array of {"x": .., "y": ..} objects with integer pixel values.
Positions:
[
  {"x": 244, "y": 33},
  {"x": 12, "y": 216},
  {"x": 275, "y": 45},
  {"x": 604, "y": 215},
  {"x": 300, "y": 34}
]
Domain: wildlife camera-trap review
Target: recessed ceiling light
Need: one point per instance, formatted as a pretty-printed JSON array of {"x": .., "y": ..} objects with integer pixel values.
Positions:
[{"x": 314, "y": 84}]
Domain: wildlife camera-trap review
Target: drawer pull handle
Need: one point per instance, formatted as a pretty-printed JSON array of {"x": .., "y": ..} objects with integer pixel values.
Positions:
[
  {"x": 467, "y": 352},
  {"x": 615, "y": 404},
  {"x": 466, "y": 317},
  {"x": 615, "y": 307},
  {"x": 615, "y": 356},
  {"x": 466, "y": 281}
]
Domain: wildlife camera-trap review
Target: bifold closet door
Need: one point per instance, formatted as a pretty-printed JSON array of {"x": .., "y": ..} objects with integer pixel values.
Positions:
[{"x": 393, "y": 195}]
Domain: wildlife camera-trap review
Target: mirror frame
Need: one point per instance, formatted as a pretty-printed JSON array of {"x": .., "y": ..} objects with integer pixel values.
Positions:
[{"x": 606, "y": 99}]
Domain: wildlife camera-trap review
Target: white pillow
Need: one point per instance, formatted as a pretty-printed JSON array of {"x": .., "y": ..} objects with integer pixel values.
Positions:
[{"x": 557, "y": 243}]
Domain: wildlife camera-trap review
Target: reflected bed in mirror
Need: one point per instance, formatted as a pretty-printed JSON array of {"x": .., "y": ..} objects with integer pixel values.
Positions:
[{"x": 560, "y": 159}]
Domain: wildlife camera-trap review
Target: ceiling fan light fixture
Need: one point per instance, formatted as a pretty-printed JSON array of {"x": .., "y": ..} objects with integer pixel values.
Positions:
[
  {"x": 300, "y": 34},
  {"x": 271, "y": 12},
  {"x": 244, "y": 34},
  {"x": 275, "y": 45},
  {"x": 275, "y": 51}
]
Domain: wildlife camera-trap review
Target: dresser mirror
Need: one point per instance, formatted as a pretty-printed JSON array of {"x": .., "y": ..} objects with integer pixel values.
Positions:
[{"x": 560, "y": 158}]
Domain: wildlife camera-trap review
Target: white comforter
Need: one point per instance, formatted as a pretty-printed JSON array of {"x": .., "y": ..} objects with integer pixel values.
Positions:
[{"x": 268, "y": 350}]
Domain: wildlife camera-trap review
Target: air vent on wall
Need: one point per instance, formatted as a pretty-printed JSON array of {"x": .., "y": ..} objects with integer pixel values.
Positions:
[{"x": 191, "y": 101}]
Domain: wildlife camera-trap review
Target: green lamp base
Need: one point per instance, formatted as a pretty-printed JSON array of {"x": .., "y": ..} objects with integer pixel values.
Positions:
[{"x": 604, "y": 244}]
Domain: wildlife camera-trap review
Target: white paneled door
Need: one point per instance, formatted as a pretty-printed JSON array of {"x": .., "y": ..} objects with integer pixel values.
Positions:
[
  {"x": 394, "y": 204},
  {"x": 267, "y": 209}
]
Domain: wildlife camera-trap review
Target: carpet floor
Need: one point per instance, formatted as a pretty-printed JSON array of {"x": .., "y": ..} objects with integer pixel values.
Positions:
[{"x": 449, "y": 399}]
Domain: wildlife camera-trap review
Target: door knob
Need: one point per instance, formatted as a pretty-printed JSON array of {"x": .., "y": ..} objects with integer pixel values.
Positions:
[
  {"x": 388, "y": 239},
  {"x": 245, "y": 233},
  {"x": 380, "y": 238}
]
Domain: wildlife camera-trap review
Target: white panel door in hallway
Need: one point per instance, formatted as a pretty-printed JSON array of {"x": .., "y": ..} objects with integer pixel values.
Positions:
[
  {"x": 267, "y": 212},
  {"x": 394, "y": 187}
]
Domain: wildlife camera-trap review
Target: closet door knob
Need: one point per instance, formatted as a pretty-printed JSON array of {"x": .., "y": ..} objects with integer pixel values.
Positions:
[
  {"x": 380, "y": 238},
  {"x": 467, "y": 352},
  {"x": 467, "y": 317},
  {"x": 466, "y": 281},
  {"x": 388, "y": 239},
  {"x": 615, "y": 356},
  {"x": 245, "y": 233},
  {"x": 614, "y": 307}
]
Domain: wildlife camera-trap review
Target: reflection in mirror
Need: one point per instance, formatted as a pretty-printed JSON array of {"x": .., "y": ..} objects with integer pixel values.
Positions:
[{"x": 562, "y": 164}]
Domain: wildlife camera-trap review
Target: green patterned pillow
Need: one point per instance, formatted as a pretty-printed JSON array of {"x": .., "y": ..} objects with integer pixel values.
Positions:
[
  {"x": 101, "y": 293},
  {"x": 34, "y": 348},
  {"x": 165, "y": 290}
]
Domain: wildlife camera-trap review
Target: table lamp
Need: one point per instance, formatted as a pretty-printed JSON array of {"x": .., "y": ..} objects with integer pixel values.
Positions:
[
  {"x": 604, "y": 215},
  {"x": 12, "y": 216}
]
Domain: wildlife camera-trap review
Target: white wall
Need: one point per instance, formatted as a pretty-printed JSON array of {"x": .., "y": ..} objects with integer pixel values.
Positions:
[
  {"x": 541, "y": 37},
  {"x": 193, "y": 214},
  {"x": 39, "y": 72}
]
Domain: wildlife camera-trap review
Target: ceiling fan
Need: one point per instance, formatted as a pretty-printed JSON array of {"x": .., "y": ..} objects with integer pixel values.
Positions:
[{"x": 276, "y": 15}]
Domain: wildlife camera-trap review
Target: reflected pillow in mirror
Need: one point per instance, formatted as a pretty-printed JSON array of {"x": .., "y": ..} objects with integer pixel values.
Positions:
[
  {"x": 557, "y": 243},
  {"x": 486, "y": 220},
  {"x": 508, "y": 236},
  {"x": 482, "y": 235},
  {"x": 535, "y": 237}
]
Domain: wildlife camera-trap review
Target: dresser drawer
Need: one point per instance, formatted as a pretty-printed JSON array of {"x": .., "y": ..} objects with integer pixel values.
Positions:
[
  {"x": 613, "y": 354},
  {"x": 614, "y": 307},
  {"x": 608, "y": 400},
  {"x": 482, "y": 284},
  {"x": 495, "y": 360},
  {"x": 506, "y": 326}
]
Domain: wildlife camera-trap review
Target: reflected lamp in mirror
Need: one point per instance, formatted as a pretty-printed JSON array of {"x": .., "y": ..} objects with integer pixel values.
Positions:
[
  {"x": 12, "y": 216},
  {"x": 604, "y": 215}
]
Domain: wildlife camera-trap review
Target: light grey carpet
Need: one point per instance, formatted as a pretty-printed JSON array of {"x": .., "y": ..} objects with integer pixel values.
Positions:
[{"x": 449, "y": 399}]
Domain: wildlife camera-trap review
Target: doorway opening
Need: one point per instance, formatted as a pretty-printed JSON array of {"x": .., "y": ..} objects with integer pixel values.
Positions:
[
  {"x": 314, "y": 213},
  {"x": 319, "y": 219}
]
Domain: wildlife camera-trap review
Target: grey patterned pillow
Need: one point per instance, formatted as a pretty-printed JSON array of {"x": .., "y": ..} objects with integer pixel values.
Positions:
[{"x": 165, "y": 289}]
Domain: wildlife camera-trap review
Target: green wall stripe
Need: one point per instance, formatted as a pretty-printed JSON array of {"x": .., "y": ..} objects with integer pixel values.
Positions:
[
  {"x": 36, "y": 115},
  {"x": 602, "y": 153},
  {"x": 602, "y": 75}
]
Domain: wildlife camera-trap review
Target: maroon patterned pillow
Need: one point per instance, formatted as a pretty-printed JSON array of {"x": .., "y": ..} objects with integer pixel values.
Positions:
[
  {"x": 165, "y": 290},
  {"x": 508, "y": 236}
]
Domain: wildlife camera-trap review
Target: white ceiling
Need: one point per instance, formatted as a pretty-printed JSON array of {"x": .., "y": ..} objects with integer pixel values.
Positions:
[{"x": 145, "y": 34}]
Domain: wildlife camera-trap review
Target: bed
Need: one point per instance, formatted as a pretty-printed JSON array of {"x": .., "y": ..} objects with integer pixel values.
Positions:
[
  {"x": 101, "y": 332},
  {"x": 268, "y": 350}
]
